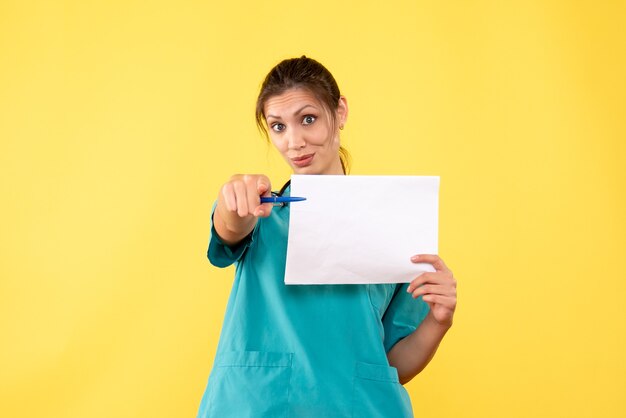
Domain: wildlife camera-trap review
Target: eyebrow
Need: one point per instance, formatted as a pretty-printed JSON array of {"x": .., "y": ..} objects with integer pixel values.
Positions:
[{"x": 294, "y": 113}]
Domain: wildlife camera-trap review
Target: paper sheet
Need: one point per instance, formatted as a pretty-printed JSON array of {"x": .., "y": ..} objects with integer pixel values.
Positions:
[{"x": 361, "y": 229}]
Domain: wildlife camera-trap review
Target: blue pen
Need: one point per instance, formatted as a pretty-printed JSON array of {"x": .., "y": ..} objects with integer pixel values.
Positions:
[{"x": 282, "y": 199}]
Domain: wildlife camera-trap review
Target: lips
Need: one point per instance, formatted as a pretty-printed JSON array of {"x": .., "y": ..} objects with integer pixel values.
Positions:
[{"x": 303, "y": 160}]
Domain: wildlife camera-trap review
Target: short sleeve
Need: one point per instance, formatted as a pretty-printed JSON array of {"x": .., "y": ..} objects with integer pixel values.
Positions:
[
  {"x": 403, "y": 315},
  {"x": 221, "y": 254}
]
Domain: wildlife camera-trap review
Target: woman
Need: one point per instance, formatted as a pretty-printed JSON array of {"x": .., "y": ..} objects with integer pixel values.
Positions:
[{"x": 321, "y": 350}]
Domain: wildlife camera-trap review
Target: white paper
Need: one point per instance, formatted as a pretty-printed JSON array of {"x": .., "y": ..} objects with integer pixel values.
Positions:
[{"x": 361, "y": 229}]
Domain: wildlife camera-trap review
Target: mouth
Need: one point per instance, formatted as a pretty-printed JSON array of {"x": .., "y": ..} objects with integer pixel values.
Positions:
[{"x": 303, "y": 160}]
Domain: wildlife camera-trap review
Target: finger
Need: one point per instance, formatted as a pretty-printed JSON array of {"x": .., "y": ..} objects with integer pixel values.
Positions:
[
  {"x": 434, "y": 289},
  {"x": 437, "y": 278},
  {"x": 242, "y": 200},
  {"x": 263, "y": 211},
  {"x": 263, "y": 189},
  {"x": 252, "y": 197},
  {"x": 447, "y": 301},
  {"x": 229, "y": 197},
  {"x": 263, "y": 186},
  {"x": 433, "y": 259},
  {"x": 418, "y": 281}
]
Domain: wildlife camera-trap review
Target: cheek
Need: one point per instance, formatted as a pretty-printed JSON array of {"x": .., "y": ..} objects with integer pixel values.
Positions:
[
  {"x": 281, "y": 146},
  {"x": 321, "y": 137},
  {"x": 278, "y": 144}
]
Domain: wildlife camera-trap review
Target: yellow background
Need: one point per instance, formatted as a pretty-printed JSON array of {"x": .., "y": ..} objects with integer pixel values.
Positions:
[{"x": 119, "y": 120}]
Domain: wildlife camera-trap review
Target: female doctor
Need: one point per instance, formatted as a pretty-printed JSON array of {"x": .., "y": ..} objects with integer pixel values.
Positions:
[{"x": 332, "y": 351}]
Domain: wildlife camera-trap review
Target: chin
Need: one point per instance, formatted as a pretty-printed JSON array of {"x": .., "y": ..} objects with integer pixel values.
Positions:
[{"x": 305, "y": 170}]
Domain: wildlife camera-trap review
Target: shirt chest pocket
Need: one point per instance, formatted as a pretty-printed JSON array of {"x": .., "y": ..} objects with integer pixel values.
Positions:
[{"x": 250, "y": 384}]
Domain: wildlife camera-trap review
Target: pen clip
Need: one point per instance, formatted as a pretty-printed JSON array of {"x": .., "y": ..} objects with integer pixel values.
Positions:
[{"x": 275, "y": 204}]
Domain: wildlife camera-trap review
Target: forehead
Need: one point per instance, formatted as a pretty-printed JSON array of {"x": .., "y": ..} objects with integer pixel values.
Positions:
[{"x": 290, "y": 101}]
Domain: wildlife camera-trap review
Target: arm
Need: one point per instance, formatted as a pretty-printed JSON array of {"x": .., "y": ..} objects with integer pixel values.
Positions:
[
  {"x": 411, "y": 354},
  {"x": 239, "y": 206}
]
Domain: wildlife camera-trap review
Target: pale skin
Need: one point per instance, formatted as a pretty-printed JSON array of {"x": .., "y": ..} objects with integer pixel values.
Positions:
[{"x": 301, "y": 129}]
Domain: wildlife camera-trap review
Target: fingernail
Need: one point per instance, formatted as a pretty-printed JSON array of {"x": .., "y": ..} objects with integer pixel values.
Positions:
[{"x": 415, "y": 257}]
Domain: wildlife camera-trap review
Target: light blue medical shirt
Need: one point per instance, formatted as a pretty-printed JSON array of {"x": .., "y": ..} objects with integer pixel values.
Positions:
[{"x": 302, "y": 351}]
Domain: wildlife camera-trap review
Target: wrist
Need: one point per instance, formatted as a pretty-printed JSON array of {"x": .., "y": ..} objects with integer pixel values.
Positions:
[{"x": 443, "y": 326}]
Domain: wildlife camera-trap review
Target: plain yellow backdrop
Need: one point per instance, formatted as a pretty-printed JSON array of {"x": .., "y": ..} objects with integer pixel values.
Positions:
[{"x": 119, "y": 120}]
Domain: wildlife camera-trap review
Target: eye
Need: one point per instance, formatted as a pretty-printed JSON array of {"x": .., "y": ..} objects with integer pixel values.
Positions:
[
  {"x": 308, "y": 119},
  {"x": 278, "y": 127}
]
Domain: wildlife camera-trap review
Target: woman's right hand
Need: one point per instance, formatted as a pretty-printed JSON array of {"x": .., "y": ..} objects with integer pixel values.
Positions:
[
  {"x": 242, "y": 195},
  {"x": 239, "y": 206}
]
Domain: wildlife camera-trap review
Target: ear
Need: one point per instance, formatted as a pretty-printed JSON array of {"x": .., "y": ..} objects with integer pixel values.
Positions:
[{"x": 342, "y": 111}]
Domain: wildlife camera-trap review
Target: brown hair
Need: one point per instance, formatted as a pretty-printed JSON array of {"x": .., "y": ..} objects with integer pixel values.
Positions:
[{"x": 302, "y": 73}]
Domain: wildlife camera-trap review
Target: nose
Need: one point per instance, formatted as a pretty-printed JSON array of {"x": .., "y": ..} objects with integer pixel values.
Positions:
[{"x": 295, "y": 139}]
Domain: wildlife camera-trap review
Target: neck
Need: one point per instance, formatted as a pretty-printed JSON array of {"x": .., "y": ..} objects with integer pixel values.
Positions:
[{"x": 336, "y": 168}]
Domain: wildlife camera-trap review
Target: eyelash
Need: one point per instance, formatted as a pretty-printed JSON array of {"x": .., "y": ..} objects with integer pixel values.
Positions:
[{"x": 275, "y": 125}]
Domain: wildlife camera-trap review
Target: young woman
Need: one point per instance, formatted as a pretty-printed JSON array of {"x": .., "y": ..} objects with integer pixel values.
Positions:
[{"x": 320, "y": 350}]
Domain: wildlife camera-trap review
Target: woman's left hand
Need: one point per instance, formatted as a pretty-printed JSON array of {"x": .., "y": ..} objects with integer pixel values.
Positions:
[{"x": 438, "y": 289}]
